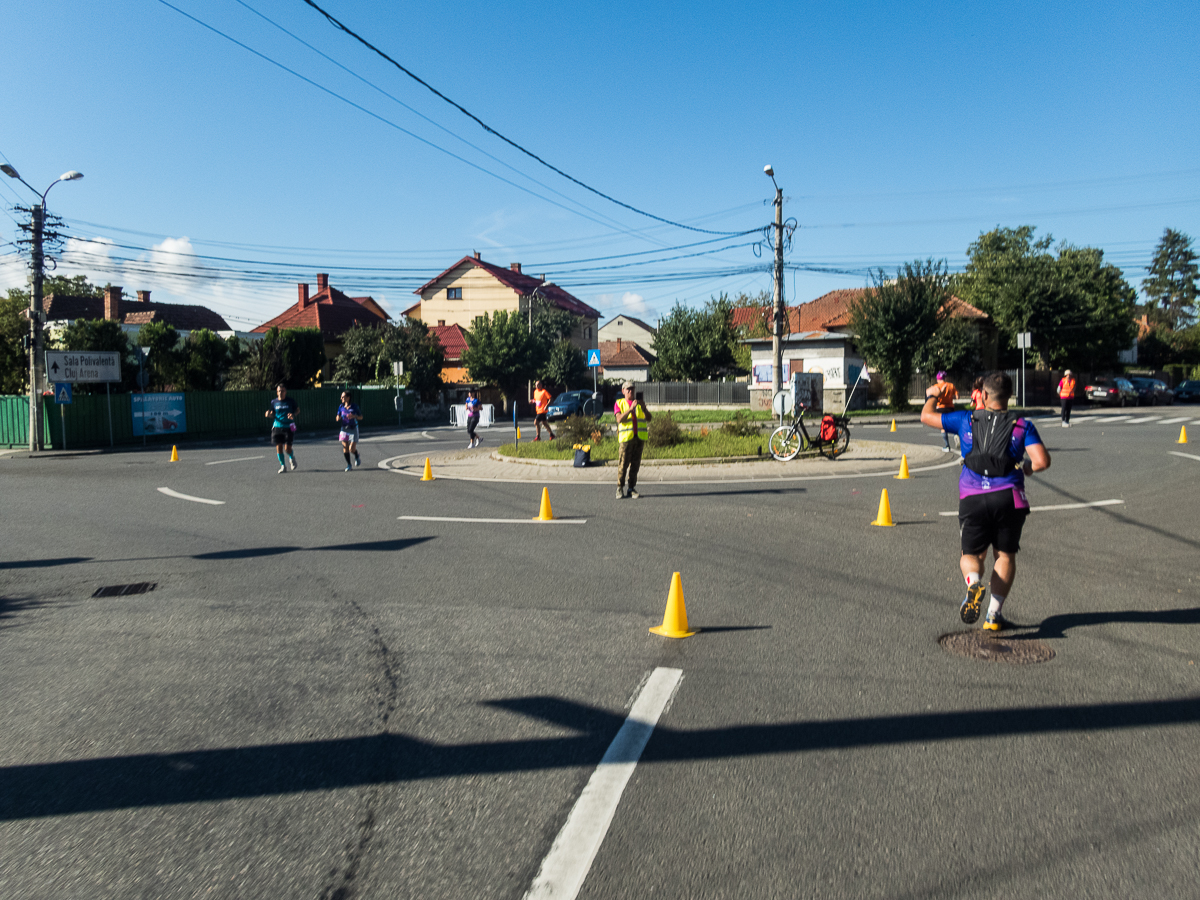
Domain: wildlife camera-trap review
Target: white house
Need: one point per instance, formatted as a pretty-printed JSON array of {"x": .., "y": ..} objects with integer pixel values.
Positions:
[{"x": 831, "y": 353}]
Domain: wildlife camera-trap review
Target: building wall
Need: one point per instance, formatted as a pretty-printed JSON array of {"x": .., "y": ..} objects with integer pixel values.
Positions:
[
  {"x": 834, "y": 359},
  {"x": 621, "y": 327}
]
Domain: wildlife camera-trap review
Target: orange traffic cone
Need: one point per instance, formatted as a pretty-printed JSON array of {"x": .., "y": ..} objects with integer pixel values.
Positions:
[
  {"x": 546, "y": 514},
  {"x": 428, "y": 476},
  {"x": 675, "y": 623},
  {"x": 174, "y": 453},
  {"x": 893, "y": 428},
  {"x": 884, "y": 516},
  {"x": 1182, "y": 435},
  {"x": 903, "y": 467}
]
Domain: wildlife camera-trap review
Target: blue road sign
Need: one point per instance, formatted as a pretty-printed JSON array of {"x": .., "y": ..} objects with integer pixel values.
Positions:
[
  {"x": 62, "y": 392},
  {"x": 593, "y": 357},
  {"x": 158, "y": 414}
]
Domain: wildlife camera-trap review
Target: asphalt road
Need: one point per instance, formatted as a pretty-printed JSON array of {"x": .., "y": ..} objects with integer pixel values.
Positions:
[{"x": 321, "y": 700}]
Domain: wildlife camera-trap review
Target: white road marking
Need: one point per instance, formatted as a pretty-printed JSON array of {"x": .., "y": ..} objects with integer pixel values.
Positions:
[
  {"x": 1105, "y": 420},
  {"x": 1184, "y": 455},
  {"x": 1144, "y": 421},
  {"x": 171, "y": 493},
  {"x": 535, "y": 520},
  {"x": 1173, "y": 421},
  {"x": 1060, "y": 506},
  {"x": 217, "y": 462},
  {"x": 570, "y": 858}
]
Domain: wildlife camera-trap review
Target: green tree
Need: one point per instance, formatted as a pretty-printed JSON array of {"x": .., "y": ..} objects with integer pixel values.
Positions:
[
  {"x": 695, "y": 344},
  {"x": 566, "y": 366},
  {"x": 895, "y": 319},
  {"x": 75, "y": 286},
  {"x": 501, "y": 350},
  {"x": 103, "y": 335},
  {"x": 206, "y": 361},
  {"x": 953, "y": 347},
  {"x": 369, "y": 351},
  {"x": 165, "y": 359},
  {"x": 1171, "y": 286}
]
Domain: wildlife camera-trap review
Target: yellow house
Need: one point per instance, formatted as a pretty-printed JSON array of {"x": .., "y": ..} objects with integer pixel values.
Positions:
[{"x": 471, "y": 288}]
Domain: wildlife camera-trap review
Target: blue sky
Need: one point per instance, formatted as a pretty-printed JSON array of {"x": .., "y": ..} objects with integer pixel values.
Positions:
[{"x": 897, "y": 132}]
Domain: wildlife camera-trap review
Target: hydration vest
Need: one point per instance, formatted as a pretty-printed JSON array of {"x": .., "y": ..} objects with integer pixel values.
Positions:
[{"x": 991, "y": 443}]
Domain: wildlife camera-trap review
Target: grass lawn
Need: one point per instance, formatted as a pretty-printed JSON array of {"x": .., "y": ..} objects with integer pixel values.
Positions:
[
  {"x": 697, "y": 416},
  {"x": 693, "y": 446}
]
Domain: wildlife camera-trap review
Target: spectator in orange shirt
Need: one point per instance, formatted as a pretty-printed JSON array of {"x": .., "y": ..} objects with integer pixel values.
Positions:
[
  {"x": 977, "y": 394},
  {"x": 946, "y": 395},
  {"x": 541, "y": 402}
]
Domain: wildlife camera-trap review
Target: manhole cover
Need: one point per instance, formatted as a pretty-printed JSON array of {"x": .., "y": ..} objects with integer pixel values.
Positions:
[
  {"x": 981, "y": 645},
  {"x": 124, "y": 590}
]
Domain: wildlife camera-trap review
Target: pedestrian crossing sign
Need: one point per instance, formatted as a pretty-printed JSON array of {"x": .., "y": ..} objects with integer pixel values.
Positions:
[
  {"x": 593, "y": 357},
  {"x": 62, "y": 392}
]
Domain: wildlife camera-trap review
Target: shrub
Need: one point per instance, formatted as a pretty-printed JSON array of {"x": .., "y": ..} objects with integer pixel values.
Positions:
[
  {"x": 578, "y": 430},
  {"x": 664, "y": 431},
  {"x": 741, "y": 425}
]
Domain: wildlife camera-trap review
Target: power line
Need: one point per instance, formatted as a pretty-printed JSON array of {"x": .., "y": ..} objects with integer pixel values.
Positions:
[{"x": 466, "y": 112}]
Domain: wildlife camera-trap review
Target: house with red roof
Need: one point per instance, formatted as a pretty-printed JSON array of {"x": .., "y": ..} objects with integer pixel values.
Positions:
[
  {"x": 625, "y": 360},
  {"x": 472, "y": 288},
  {"x": 453, "y": 339},
  {"x": 62, "y": 309},
  {"x": 330, "y": 311}
]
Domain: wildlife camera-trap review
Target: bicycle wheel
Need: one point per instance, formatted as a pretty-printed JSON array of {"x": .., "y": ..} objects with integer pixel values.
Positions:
[
  {"x": 835, "y": 448},
  {"x": 784, "y": 443}
]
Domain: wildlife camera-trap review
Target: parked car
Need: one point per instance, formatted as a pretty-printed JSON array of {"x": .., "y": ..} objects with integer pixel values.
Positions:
[
  {"x": 1112, "y": 392},
  {"x": 1187, "y": 391},
  {"x": 1152, "y": 392},
  {"x": 572, "y": 403}
]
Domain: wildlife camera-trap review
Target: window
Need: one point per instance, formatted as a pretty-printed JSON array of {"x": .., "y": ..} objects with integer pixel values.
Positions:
[
  {"x": 454, "y": 293},
  {"x": 441, "y": 322},
  {"x": 587, "y": 333}
]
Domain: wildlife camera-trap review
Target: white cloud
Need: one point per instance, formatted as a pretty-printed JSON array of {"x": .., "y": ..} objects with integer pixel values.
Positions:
[{"x": 629, "y": 304}]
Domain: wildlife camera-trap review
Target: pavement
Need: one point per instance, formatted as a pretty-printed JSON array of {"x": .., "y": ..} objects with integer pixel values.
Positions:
[{"x": 362, "y": 685}]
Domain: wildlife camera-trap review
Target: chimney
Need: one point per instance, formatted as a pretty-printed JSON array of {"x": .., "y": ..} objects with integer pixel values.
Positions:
[
  {"x": 303, "y": 295},
  {"x": 322, "y": 282},
  {"x": 542, "y": 277},
  {"x": 618, "y": 345},
  {"x": 143, "y": 296},
  {"x": 112, "y": 303},
  {"x": 516, "y": 267},
  {"x": 478, "y": 255}
]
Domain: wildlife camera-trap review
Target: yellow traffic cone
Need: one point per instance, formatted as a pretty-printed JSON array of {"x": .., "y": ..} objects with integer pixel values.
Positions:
[
  {"x": 174, "y": 453},
  {"x": 518, "y": 434},
  {"x": 893, "y": 428},
  {"x": 675, "y": 623},
  {"x": 903, "y": 467},
  {"x": 428, "y": 476},
  {"x": 546, "y": 514},
  {"x": 884, "y": 516},
  {"x": 1182, "y": 435}
]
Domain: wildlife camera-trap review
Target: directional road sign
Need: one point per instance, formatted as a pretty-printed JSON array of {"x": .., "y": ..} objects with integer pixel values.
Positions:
[
  {"x": 62, "y": 392},
  {"x": 83, "y": 366},
  {"x": 158, "y": 414},
  {"x": 593, "y": 357}
]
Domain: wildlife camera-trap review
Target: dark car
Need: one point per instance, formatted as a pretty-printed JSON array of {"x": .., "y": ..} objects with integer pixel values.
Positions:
[
  {"x": 572, "y": 403},
  {"x": 1188, "y": 391},
  {"x": 1152, "y": 392},
  {"x": 1112, "y": 392}
]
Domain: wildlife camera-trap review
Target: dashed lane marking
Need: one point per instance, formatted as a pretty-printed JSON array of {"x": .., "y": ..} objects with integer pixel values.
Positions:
[
  {"x": 1145, "y": 421},
  {"x": 179, "y": 496},
  {"x": 1059, "y": 506},
  {"x": 534, "y": 520},
  {"x": 1174, "y": 421},
  {"x": 570, "y": 858},
  {"x": 218, "y": 462},
  {"x": 1184, "y": 455}
]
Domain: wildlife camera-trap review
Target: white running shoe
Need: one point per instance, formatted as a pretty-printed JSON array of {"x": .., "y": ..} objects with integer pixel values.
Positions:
[
  {"x": 293, "y": 463},
  {"x": 282, "y": 469}
]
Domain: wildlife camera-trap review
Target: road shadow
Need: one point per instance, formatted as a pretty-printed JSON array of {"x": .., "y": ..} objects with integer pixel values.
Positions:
[
  {"x": 713, "y": 629},
  {"x": 655, "y": 495},
  {"x": 246, "y": 553},
  {"x": 45, "y": 563},
  {"x": 1057, "y": 626},
  {"x": 204, "y": 776},
  {"x": 1123, "y": 519},
  {"x": 10, "y": 607},
  {"x": 394, "y": 544}
]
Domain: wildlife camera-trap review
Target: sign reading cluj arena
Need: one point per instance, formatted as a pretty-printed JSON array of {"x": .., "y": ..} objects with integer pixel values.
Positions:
[{"x": 83, "y": 366}]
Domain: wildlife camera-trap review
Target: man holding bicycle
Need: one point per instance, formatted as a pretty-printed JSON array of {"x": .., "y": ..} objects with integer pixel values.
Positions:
[{"x": 991, "y": 489}]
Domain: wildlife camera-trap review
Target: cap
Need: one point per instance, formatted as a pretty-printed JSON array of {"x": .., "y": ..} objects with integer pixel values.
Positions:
[
  {"x": 627, "y": 384},
  {"x": 941, "y": 376}
]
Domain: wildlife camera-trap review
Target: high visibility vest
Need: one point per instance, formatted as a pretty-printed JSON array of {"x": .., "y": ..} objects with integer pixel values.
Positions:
[
  {"x": 625, "y": 429},
  {"x": 1066, "y": 387}
]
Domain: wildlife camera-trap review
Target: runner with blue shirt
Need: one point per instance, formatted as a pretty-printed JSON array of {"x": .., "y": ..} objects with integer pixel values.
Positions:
[
  {"x": 992, "y": 506},
  {"x": 348, "y": 417},
  {"x": 283, "y": 414}
]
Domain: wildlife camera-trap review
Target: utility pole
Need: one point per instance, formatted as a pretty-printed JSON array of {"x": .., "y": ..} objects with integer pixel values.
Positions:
[
  {"x": 777, "y": 328},
  {"x": 36, "y": 262}
]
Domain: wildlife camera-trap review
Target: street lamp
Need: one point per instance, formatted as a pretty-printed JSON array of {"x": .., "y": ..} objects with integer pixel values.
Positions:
[
  {"x": 36, "y": 262},
  {"x": 777, "y": 327}
]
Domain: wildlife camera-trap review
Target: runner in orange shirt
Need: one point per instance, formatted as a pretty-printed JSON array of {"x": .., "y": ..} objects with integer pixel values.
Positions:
[
  {"x": 946, "y": 395},
  {"x": 541, "y": 402}
]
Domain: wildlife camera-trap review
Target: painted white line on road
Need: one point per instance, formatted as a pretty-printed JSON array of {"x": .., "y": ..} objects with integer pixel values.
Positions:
[
  {"x": 1184, "y": 455},
  {"x": 1060, "y": 506},
  {"x": 1174, "y": 421},
  {"x": 570, "y": 858},
  {"x": 1104, "y": 420},
  {"x": 218, "y": 462},
  {"x": 1145, "y": 421},
  {"x": 176, "y": 494},
  {"x": 534, "y": 520}
]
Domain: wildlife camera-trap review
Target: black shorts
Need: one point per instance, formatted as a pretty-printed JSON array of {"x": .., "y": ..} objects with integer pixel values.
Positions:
[
  {"x": 990, "y": 519},
  {"x": 281, "y": 436},
  {"x": 541, "y": 417}
]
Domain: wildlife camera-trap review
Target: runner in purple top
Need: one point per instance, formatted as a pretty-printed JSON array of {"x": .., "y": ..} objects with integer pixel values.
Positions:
[{"x": 991, "y": 490}]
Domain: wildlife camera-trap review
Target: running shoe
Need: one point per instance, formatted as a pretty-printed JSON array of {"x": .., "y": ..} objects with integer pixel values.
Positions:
[
  {"x": 995, "y": 622},
  {"x": 282, "y": 469},
  {"x": 348, "y": 468},
  {"x": 357, "y": 460},
  {"x": 634, "y": 494},
  {"x": 293, "y": 462},
  {"x": 620, "y": 494},
  {"x": 538, "y": 438},
  {"x": 970, "y": 605}
]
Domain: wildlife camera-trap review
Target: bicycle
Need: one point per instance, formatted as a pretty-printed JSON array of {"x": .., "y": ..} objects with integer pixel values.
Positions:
[{"x": 788, "y": 440}]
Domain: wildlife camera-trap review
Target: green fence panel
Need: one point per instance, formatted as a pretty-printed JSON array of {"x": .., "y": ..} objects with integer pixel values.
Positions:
[
  {"x": 86, "y": 419},
  {"x": 14, "y": 421}
]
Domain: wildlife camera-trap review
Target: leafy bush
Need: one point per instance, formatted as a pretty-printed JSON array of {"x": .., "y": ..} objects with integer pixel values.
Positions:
[
  {"x": 579, "y": 430},
  {"x": 664, "y": 431},
  {"x": 741, "y": 425}
]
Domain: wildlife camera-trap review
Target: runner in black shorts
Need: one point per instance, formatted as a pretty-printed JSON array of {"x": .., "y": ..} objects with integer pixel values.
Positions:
[
  {"x": 991, "y": 503},
  {"x": 283, "y": 414}
]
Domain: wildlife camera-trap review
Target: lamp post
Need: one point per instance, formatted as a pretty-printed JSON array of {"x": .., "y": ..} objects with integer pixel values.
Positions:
[
  {"x": 777, "y": 325},
  {"x": 36, "y": 263}
]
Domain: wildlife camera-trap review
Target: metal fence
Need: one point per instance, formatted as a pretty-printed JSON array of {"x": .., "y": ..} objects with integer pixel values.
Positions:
[
  {"x": 209, "y": 415},
  {"x": 707, "y": 393}
]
